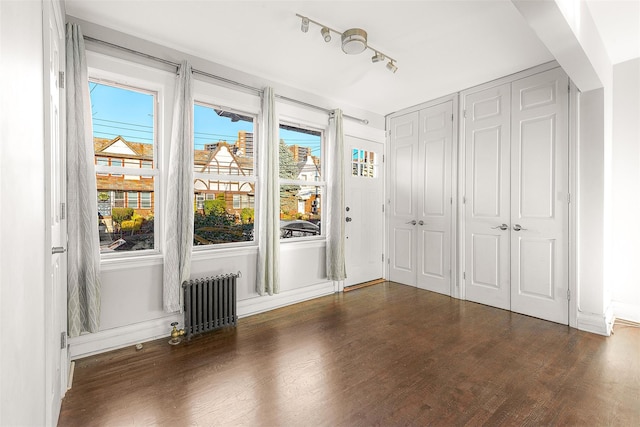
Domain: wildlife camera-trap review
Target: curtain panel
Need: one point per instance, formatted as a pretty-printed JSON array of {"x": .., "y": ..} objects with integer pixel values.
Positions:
[
  {"x": 268, "y": 266},
  {"x": 83, "y": 256},
  {"x": 336, "y": 269},
  {"x": 179, "y": 203}
]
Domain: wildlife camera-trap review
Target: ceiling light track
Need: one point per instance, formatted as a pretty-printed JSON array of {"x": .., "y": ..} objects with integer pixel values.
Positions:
[{"x": 354, "y": 41}]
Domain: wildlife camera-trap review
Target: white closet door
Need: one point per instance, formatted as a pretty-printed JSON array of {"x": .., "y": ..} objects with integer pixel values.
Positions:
[
  {"x": 434, "y": 220},
  {"x": 539, "y": 205},
  {"x": 487, "y": 192},
  {"x": 404, "y": 206}
]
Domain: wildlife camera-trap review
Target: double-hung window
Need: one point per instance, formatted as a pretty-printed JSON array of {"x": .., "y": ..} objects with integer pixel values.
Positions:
[
  {"x": 302, "y": 183},
  {"x": 126, "y": 108},
  {"x": 224, "y": 175}
]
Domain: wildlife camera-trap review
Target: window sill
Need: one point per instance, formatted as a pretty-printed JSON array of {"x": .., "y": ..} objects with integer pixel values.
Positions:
[{"x": 132, "y": 261}]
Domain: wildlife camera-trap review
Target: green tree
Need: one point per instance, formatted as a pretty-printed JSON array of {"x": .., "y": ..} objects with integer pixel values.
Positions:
[
  {"x": 216, "y": 207},
  {"x": 288, "y": 170}
]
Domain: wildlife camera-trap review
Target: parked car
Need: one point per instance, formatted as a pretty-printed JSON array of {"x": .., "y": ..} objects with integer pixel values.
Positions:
[{"x": 298, "y": 228}]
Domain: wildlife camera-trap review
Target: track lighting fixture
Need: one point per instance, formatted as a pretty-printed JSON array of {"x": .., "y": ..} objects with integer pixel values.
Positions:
[
  {"x": 354, "y": 41},
  {"x": 377, "y": 57},
  {"x": 326, "y": 34}
]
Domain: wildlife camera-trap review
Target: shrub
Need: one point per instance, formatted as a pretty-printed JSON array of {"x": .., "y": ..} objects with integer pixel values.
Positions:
[
  {"x": 121, "y": 214},
  {"x": 247, "y": 215}
]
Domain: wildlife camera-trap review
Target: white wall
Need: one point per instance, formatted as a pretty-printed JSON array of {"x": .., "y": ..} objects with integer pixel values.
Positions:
[
  {"x": 626, "y": 190},
  {"x": 131, "y": 301},
  {"x": 22, "y": 221}
]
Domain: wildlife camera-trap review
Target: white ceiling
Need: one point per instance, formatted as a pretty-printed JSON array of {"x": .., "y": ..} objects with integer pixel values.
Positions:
[{"x": 441, "y": 46}]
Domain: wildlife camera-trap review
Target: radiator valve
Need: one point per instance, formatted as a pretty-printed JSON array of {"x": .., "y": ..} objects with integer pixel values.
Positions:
[{"x": 176, "y": 334}]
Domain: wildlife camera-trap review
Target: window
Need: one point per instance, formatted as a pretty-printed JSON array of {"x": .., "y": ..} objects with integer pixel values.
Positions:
[
  {"x": 301, "y": 181},
  {"x": 224, "y": 178},
  {"x": 124, "y": 147},
  {"x": 145, "y": 200},
  {"x": 364, "y": 163},
  {"x": 132, "y": 199}
]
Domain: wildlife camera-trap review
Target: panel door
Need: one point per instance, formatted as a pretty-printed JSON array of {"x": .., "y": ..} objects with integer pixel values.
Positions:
[
  {"x": 487, "y": 193},
  {"x": 539, "y": 192},
  {"x": 433, "y": 231},
  {"x": 403, "y": 209},
  {"x": 56, "y": 285},
  {"x": 364, "y": 192}
]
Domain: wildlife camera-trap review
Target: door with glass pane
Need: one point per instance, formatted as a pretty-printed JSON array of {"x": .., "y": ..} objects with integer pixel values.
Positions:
[{"x": 364, "y": 216}]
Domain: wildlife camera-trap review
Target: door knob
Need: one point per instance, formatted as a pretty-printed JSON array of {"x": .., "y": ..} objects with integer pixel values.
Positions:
[
  {"x": 518, "y": 227},
  {"x": 347, "y": 219},
  {"x": 412, "y": 222},
  {"x": 421, "y": 222},
  {"x": 501, "y": 227},
  {"x": 58, "y": 250}
]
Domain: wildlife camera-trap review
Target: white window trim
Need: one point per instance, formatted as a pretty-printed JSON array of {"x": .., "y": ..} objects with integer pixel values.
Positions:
[{"x": 115, "y": 71}]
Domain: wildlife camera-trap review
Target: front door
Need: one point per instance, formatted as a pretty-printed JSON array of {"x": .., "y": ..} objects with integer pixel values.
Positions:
[
  {"x": 55, "y": 293},
  {"x": 364, "y": 201}
]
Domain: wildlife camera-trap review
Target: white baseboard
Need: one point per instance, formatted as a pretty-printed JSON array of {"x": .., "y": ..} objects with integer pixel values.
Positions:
[
  {"x": 261, "y": 304},
  {"x": 600, "y": 324},
  {"x": 112, "y": 339},
  {"x": 626, "y": 311}
]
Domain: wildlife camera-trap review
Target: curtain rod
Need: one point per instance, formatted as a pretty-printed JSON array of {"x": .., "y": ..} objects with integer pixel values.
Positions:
[{"x": 256, "y": 90}]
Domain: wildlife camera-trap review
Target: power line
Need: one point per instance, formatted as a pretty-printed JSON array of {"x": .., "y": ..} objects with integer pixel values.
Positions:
[
  {"x": 123, "y": 128},
  {"x": 124, "y": 123},
  {"x": 129, "y": 137}
]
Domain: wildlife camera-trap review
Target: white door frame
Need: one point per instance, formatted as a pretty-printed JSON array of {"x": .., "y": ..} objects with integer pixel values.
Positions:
[
  {"x": 573, "y": 168},
  {"x": 54, "y": 131},
  {"x": 455, "y": 215}
]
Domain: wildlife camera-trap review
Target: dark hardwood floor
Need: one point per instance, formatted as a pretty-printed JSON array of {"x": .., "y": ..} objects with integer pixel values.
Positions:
[{"x": 383, "y": 355}]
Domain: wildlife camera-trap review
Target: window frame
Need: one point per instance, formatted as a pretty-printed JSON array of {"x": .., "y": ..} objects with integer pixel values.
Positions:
[
  {"x": 321, "y": 183},
  {"x": 114, "y": 71},
  {"x": 211, "y": 95}
]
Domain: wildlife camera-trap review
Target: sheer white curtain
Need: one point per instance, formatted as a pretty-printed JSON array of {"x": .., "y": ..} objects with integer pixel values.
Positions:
[
  {"x": 179, "y": 204},
  {"x": 268, "y": 268},
  {"x": 83, "y": 256},
  {"x": 335, "y": 206}
]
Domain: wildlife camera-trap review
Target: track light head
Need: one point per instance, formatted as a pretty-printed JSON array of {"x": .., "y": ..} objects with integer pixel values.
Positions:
[
  {"x": 326, "y": 34},
  {"x": 304, "y": 27},
  {"x": 392, "y": 67},
  {"x": 377, "y": 57}
]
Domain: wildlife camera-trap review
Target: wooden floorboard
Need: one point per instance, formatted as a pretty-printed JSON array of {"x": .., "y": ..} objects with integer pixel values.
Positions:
[{"x": 382, "y": 355}]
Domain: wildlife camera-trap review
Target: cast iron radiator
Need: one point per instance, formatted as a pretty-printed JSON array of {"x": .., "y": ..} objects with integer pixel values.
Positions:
[{"x": 209, "y": 303}]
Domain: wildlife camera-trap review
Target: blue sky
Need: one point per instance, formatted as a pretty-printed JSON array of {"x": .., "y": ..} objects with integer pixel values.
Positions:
[{"x": 117, "y": 111}]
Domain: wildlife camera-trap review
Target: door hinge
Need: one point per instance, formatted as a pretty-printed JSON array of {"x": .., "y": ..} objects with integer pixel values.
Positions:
[
  {"x": 388, "y": 261},
  {"x": 569, "y": 198},
  {"x": 451, "y": 116},
  {"x": 451, "y": 200},
  {"x": 383, "y": 158},
  {"x": 389, "y": 133},
  {"x": 464, "y": 113},
  {"x": 63, "y": 211},
  {"x": 383, "y": 208},
  {"x": 569, "y": 294},
  {"x": 464, "y": 200},
  {"x": 63, "y": 340},
  {"x": 61, "y": 79},
  {"x": 382, "y": 257},
  {"x": 464, "y": 275},
  {"x": 569, "y": 88}
]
